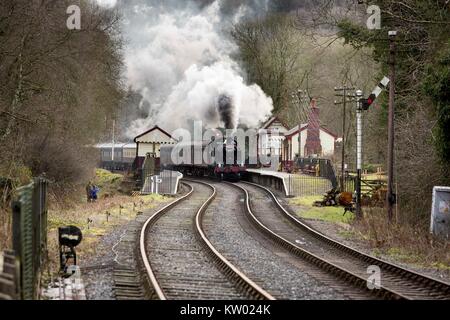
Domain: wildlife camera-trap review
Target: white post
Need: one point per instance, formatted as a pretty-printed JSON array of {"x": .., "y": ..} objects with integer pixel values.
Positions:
[
  {"x": 158, "y": 181},
  {"x": 358, "y": 140},
  {"x": 359, "y": 94},
  {"x": 113, "y": 140},
  {"x": 153, "y": 183}
]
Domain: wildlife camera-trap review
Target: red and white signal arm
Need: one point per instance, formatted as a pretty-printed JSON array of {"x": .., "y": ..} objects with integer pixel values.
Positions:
[{"x": 366, "y": 103}]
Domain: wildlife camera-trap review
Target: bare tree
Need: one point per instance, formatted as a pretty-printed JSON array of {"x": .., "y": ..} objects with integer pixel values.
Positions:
[{"x": 56, "y": 85}]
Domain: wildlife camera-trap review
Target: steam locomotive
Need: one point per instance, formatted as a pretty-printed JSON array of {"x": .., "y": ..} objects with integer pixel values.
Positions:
[{"x": 221, "y": 160}]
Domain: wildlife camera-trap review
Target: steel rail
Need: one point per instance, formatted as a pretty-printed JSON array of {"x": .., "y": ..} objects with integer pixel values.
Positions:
[
  {"x": 404, "y": 272},
  {"x": 249, "y": 287},
  {"x": 428, "y": 282},
  {"x": 237, "y": 276},
  {"x": 152, "y": 282},
  {"x": 328, "y": 266}
]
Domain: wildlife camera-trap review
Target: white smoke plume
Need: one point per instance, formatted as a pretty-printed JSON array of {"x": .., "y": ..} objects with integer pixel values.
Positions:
[{"x": 178, "y": 57}]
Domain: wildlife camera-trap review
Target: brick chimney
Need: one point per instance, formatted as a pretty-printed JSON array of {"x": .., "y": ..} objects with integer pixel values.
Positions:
[{"x": 313, "y": 145}]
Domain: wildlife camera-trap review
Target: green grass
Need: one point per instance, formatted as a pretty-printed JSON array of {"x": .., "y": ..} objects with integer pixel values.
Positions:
[
  {"x": 440, "y": 266},
  {"x": 107, "y": 181},
  {"x": 329, "y": 214},
  {"x": 402, "y": 254},
  {"x": 405, "y": 255},
  {"x": 347, "y": 234},
  {"x": 105, "y": 177},
  {"x": 306, "y": 201},
  {"x": 122, "y": 209}
]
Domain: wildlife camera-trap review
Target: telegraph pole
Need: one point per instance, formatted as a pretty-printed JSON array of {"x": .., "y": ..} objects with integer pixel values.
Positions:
[
  {"x": 391, "y": 197},
  {"x": 345, "y": 90},
  {"x": 359, "y": 95}
]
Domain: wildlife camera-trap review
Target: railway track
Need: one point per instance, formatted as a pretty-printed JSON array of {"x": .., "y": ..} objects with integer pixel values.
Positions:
[
  {"x": 282, "y": 274},
  {"x": 271, "y": 218},
  {"x": 179, "y": 260}
]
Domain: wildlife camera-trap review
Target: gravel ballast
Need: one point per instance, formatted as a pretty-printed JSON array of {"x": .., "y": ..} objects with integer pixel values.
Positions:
[{"x": 226, "y": 230}]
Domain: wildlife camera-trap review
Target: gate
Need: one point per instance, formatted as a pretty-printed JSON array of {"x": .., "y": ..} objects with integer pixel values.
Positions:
[{"x": 166, "y": 182}]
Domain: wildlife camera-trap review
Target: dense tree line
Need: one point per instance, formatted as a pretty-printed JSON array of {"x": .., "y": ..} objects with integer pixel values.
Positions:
[
  {"x": 328, "y": 44},
  {"x": 269, "y": 52},
  {"x": 59, "y": 88},
  {"x": 422, "y": 93},
  {"x": 282, "y": 57}
]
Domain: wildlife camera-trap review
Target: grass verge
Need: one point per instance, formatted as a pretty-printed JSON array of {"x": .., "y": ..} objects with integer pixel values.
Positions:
[
  {"x": 329, "y": 214},
  {"x": 403, "y": 242},
  {"x": 399, "y": 242},
  {"x": 95, "y": 219}
]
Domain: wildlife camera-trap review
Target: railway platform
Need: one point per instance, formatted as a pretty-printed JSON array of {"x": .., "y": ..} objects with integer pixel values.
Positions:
[
  {"x": 291, "y": 184},
  {"x": 273, "y": 179}
]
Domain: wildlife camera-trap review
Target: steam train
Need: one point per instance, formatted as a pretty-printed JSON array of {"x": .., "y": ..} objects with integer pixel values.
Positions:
[{"x": 221, "y": 160}]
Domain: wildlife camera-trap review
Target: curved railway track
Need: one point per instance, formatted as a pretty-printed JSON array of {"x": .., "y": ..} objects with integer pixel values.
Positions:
[
  {"x": 271, "y": 218},
  {"x": 179, "y": 260},
  {"x": 282, "y": 274}
]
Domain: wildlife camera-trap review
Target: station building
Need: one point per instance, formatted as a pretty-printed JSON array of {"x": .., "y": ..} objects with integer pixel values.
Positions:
[
  {"x": 149, "y": 143},
  {"x": 315, "y": 140}
]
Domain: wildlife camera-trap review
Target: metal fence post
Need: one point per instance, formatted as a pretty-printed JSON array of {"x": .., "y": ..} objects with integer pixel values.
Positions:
[
  {"x": 29, "y": 230},
  {"x": 26, "y": 236}
]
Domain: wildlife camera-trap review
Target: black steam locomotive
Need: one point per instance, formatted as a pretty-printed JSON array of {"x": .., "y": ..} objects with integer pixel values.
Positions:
[{"x": 221, "y": 160}]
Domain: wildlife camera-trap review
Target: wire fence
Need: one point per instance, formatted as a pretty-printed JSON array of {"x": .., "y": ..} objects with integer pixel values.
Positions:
[
  {"x": 319, "y": 168},
  {"x": 306, "y": 185},
  {"x": 312, "y": 176}
]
